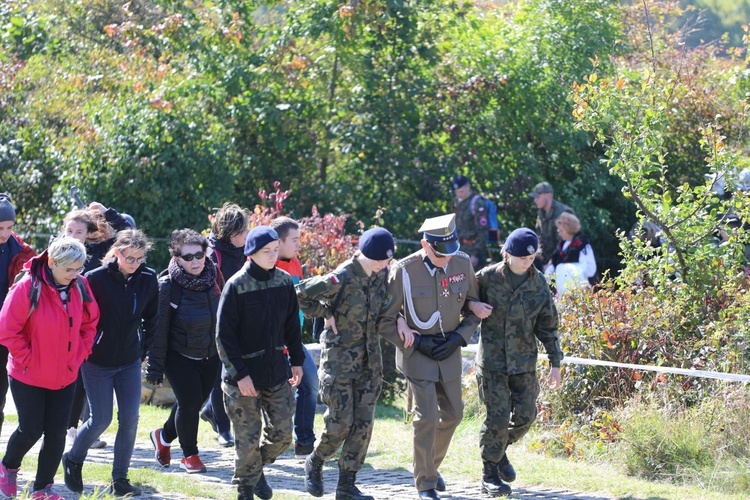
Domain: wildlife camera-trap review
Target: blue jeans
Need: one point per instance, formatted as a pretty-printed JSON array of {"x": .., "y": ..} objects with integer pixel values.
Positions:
[
  {"x": 100, "y": 383},
  {"x": 307, "y": 401}
]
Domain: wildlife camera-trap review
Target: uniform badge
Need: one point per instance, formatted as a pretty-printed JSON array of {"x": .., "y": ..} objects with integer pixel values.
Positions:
[
  {"x": 457, "y": 278},
  {"x": 483, "y": 221},
  {"x": 444, "y": 282},
  {"x": 530, "y": 249},
  {"x": 335, "y": 279}
]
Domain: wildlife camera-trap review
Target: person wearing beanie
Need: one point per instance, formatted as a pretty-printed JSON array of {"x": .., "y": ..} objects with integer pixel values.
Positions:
[
  {"x": 258, "y": 322},
  {"x": 523, "y": 311},
  {"x": 14, "y": 253},
  {"x": 428, "y": 293},
  {"x": 350, "y": 299}
]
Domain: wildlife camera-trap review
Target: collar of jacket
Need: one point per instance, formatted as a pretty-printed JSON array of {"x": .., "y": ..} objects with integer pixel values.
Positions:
[
  {"x": 259, "y": 273},
  {"x": 114, "y": 270}
]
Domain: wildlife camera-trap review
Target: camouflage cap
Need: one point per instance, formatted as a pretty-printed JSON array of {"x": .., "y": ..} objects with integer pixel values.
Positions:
[{"x": 541, "y": 188}]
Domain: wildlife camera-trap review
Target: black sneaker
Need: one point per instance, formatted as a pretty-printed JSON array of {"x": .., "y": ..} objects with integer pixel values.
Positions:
[
  {"x": 302, "y": 450},
  {"x": 72, "y": 474},
  {"x": 121, "y": 487}
]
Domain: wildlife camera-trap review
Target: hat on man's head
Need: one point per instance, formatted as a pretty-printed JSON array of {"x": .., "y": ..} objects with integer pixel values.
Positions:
[
  {"x": 541, "y": 188},
  {"x": 7, "y": 212},
  {"x": 522, "y": 242},
  {"x": 377, "y": 244},
  {"x": 440, "y": 233},
  {"x": 459, "y": 181},
  {"x": 258, "y": 237}
]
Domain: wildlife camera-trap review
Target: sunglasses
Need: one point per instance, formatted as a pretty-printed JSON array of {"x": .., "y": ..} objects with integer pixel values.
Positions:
[{"x": 190, "y": 256}]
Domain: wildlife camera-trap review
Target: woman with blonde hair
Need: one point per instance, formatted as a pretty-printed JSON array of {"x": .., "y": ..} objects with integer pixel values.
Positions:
[
  {"x": 127, "y": 293},
  {"x": 574, "y": 247},
  {"x": 48, "y": 322}
]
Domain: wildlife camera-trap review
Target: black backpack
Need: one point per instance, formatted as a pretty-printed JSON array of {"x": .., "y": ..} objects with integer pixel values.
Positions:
[{"x": 35, "y": 291}]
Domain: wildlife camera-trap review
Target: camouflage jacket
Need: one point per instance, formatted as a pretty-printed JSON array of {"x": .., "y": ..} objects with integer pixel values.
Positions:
[
  {"x": 258, "y": 316},
  {"x": 357, "y": 344},
  {"x": 509, "y": 335},
  {"x": 472, "y": 226},
  {"x": 546, "y": 229}
]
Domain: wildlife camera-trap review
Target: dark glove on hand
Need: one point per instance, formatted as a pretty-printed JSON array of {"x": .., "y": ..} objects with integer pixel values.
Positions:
[
  {"x": 452, "y": 342},
  {"x": 154, "y": 378},
  {"x": 426, "y": 344}
]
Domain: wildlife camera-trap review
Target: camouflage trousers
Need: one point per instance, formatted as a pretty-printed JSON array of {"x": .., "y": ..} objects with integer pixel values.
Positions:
[
  {"x": 350, "y": 417},
  {"x": 510, "y": 401},
  {"x": 262, "y": 428}
]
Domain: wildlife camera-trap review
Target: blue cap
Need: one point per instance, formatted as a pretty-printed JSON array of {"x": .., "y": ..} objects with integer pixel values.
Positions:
[
  {"x": 522, "y": 242},
  {"x": 7, "y": 212},
  {"x": 459, "y": 181},
  {"x": 377, "y": 244},
  {"x": 258, "y": 237}
]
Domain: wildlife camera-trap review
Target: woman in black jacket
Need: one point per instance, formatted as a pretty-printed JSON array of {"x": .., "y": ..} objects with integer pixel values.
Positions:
[
  {"x": 127, "y": 293},
  {"x": 184, "y": 347}
]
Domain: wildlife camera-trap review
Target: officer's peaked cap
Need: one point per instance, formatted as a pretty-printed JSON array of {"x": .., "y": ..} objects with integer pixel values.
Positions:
[{"x": 440, "y": 232}]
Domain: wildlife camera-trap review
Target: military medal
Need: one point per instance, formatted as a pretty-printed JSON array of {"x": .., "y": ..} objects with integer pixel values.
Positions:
[{"x": 445, "y": 287}]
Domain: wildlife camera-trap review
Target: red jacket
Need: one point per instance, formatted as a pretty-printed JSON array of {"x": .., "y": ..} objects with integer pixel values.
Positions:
[
  {"x": 20, "y": 258},
  {"x": 48, "y": 346}
]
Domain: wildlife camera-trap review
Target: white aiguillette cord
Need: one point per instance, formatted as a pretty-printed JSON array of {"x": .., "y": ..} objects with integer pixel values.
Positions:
[{"x": 422, "y": 325}]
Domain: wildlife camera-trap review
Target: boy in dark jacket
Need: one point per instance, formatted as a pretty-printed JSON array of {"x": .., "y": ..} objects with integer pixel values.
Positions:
[{"x": 259, "y": 315}]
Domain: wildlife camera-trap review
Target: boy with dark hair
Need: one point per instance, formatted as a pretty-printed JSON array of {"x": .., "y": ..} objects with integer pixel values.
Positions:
[
  {"x": 258, "y": 317},
  {"x": 307, "y": 391}
]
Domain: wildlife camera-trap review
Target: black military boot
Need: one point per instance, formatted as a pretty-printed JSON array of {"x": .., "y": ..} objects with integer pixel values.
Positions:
[
  {"x": 505, "y": 470},
  {"x": 245, "y": 492},
  {"x": 491, "y": 483},
  {"x": 346, "y": 490},
  {"x": 262, "y": 489},
  {"x": 314, "y": 475}
]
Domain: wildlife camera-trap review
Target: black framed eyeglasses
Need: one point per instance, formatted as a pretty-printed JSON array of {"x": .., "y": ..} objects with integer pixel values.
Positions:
[{"x": 190, "y": 256}]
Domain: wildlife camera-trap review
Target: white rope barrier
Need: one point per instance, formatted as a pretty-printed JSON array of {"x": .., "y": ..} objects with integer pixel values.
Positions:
[{"x": 659, "y": 369}]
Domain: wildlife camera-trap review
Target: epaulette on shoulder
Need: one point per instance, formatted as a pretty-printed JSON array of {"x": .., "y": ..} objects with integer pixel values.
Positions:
[
  {"x": 409, "y": 259},
  {"x": 462, "y": 255}
]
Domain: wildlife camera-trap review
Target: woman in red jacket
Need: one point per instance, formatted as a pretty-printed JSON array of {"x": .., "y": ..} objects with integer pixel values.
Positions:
[{"x": 47, "y": 322}]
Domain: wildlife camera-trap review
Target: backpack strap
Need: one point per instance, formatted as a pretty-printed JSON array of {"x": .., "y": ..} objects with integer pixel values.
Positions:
[{"x": 473, "y": 204}]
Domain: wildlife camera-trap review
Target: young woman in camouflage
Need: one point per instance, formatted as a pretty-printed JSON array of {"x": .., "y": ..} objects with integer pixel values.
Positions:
[{"x": 522, "y": 312}]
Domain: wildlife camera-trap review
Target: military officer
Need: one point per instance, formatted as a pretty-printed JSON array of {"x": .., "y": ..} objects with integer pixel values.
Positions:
[
  {"x": 549, "y": 211},
  {"x": 351, "y": 366},
  {"x": 427, "y": 291},
  {"x": 522, "y": 312},
  {"x": 472, "y": 221}
]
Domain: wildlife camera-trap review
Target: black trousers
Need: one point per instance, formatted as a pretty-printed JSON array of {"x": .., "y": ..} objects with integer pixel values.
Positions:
[{"x": 40, "y": 411}]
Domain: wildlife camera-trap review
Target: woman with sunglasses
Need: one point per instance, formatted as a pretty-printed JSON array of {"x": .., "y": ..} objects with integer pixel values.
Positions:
[
  {"x": 48, "y": 322},
  {"x": 184, "y": 348},
  {"x": 127, "y": 293}
]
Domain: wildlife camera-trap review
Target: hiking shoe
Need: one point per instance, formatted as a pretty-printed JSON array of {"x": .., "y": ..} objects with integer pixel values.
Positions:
[
  {"x": 192, "y": 464},
  {"x": 162, "y": 452},
  {"x": 46, "y": 494},
  {"x": 121, "y": 487},
  {"x": 98, "y": 444},
  {"x": 72, "y": 474},
  {"x": 8, "y": 481},
  {"x": 302, "y": 450},
  {"x": 262, "y": 489}
]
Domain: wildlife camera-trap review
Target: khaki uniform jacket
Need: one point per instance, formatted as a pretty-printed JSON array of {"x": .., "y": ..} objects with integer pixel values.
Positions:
[
  {"x": 357, "y": 344},
  {"x": 446, "y": 292},
  {"x": 546, "y": 229},
  {"x": 508, "y": 342}
]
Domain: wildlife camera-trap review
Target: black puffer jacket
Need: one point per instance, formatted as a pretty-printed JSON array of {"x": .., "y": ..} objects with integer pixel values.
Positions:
[
  {"x": 125, "y": 305},
  {"x": 186, "y": 326}
]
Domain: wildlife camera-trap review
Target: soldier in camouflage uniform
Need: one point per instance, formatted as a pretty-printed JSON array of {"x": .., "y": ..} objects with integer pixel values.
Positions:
[
  {"x": 259, "y": 315},
  {"x": 472, "y": 221},
  {"x": 549, "y": 211},
  {"x": 522, "y": 312},
  {"x": 351, "y": 366}
]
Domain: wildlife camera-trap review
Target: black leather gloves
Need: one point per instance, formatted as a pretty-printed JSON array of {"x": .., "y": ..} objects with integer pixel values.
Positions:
[
  {"x": 426, "y": 344},
  {"x": 444, "y": 350},
  {"x": 154, "y": 378}
]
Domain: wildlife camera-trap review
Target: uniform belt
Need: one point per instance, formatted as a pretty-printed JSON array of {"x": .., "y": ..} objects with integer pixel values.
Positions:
[{"x": 467, "y": 241}]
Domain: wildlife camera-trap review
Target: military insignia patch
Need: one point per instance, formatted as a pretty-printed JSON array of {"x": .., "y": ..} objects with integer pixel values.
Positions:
[
  {"x": 483, "y": 221},
  {"x": 530, "y": 249},
  {"x": 335, "y": 279},
  {"x": 386, "y": 301},
  {"x": 457, "y": 278}
]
